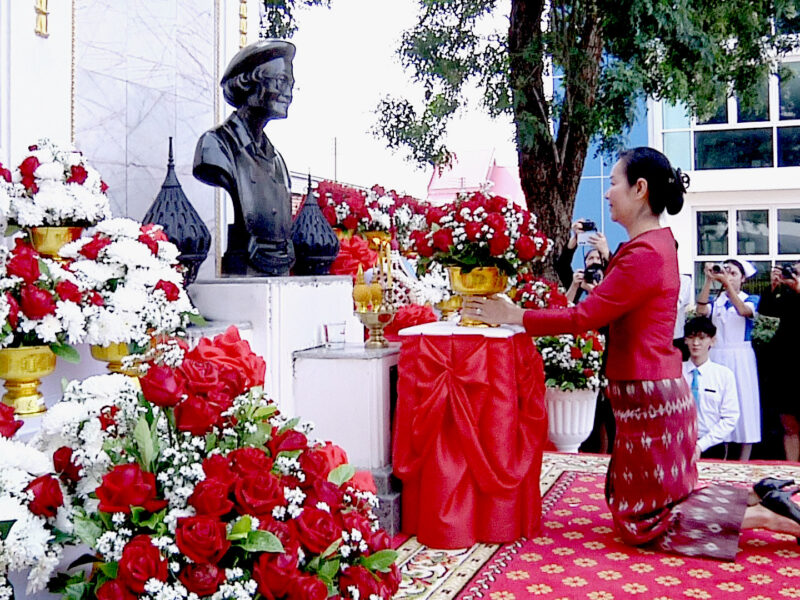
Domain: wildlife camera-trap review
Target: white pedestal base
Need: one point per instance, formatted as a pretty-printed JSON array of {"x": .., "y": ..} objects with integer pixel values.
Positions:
[
  {"x": 347, "y": 393},
  {"x": 570, "y": 417}
]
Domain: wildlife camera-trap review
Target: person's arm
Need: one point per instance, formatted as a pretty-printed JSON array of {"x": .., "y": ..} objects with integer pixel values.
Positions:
[
  {"x": 600, "y": 243},
  {"x": 728, "y": 412},
  {"x": 572, "y": 292},
  {"x": 769, "y": 304},
  {"x": 563, "y": 264},
  {"x": 744, "y": 308},
  {"x": 702, "y": 300}
]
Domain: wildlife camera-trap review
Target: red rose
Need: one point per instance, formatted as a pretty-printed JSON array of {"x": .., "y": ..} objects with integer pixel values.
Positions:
[
  {"x": 29, "y": 182},
  {"x": 499, "y": 244},
  {"x": 434, "y": 215},
  {"x": 315, "y": 465},
  {"x": 24, "y": 263},
  {"x": 361, "y": 579},
  {"x": 203, "y": 539},
  {"x": 497, "y": 203},
  {"x": 106, "y": 417},
  {"x": 316, "y": 529},
  {"x": 63, "y": 465},
  {"x": 196, "y": 415},
  {"x": 249, "y": 461},
  {"x": 575, "y": 352},
  {"x": 220, "y": 402},
  {"x": 322, "y": 490},
  {"x": 149, "y": 242},
  {"x": 473, "y": 230},
  {"x": 350, "y": 222},
  {"x": 443, "y": 239},
  {"x": 424, "y": 246},
  {"x": 201, "y": 375},
  {"x": 125, "y": 486},
  {"x": 47, "y": 496},
  {"x": 330, "y": 215},
  {"x": 230, "y": 350},
  {"x": 5, "y": 173},
  {"x": 103, "y": 186},
  {"x": 28, "y": 166},
  {"x": 289, "y": 440},
  {"x": 496, "y": 222},
  {"x": 13, "y": 310},
  {"x": 210, "y": 497},
  {"x": 96, "y": 299},
  {"x": 307, "y": 587},
  {"x": 525, "y": 247},
  {"x": 588, "y": 372},
  {"x": 257, "y": 495},
  {"x": 8, "y": 425},
  {"x": 36, "y": 303},
  {"x": 91, "y": 249},
  {"x": 162, "y": 385},
  {"x": 391, "y": 580},
  {"x": 274, "y": 573},
  {"x": 155, "y": 231},
  {"x": 140, "y": 562},
  {"x": 202, "y": 579},
  {"x": 67, "y": 290},
  {"x": 77, "y": 174},
  {"x": 171, "y": 290},
  {"x": 232, "y": 382},
  {"x": 364, "y": 481},
  {"x": 596, "y": 345},
  {"x": 218, "y": 467},
  {"x": 114, "y": 590}
]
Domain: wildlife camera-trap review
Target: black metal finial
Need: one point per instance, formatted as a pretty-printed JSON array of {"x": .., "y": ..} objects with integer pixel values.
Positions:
[{"x": 315, "y": 242}]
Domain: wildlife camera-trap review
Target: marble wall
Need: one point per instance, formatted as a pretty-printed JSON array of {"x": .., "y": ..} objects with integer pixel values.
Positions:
[{"x": 144, "y": 71}]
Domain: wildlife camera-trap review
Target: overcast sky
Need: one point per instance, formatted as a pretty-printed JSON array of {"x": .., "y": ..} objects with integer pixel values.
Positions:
[{"x": 345, "y": 63}]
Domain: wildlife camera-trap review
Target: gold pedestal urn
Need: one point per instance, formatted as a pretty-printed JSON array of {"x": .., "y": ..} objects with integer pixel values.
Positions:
[
  {"x": 22, "y": 368},
  {"x": 113, "y": 355},
  {"x": 373, "y": 302},
  {"x": 48, "y": 240},
  {"x": 480, "y": 281}
]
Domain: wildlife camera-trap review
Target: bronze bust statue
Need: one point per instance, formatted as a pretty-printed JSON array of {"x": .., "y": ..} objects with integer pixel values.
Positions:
[{"x": 238, "y": 157}]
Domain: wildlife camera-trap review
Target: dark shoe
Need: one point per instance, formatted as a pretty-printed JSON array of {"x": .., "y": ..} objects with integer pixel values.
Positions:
[
  {"x": 769, "y": 484},
  {"x": 781, "y": 503}
]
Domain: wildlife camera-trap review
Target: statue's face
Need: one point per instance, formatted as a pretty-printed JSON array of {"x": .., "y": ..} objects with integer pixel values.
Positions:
[{"x": 275, "y": 88}]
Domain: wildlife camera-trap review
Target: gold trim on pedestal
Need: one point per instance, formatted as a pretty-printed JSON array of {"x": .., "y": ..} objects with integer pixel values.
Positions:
[
  {"x": 113, "y": 355},
  {"x": 375, "y": 322},
  {"x": 22, "y": 368},
  {"x": 480, "y": 281},
  {"x": 49, "y": 240}
]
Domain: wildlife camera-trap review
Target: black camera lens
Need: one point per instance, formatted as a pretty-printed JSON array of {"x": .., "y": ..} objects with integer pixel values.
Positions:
[
  {"x": 593, "y": 274},
  {"x": 787, "y": 272},
  {"x": 587, "y": 225},
  {"x": 716, "y": 269}
]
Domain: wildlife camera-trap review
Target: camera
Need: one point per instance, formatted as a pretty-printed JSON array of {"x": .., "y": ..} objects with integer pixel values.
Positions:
[
  {"x": 787, "y": 272},
  {"x": 716, "y": 269},
  {"x": 587, "y": 230},
  {"x": 593, "y": 274},
  {"x": 587, "y": 225}
]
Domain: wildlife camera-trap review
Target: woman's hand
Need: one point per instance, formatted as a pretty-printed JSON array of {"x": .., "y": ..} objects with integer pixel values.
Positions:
[
  {"x": 494, "y": 310},
  {"x": 775, "y": 277},
  {"x": 576, "y": 228},
  {"x": 600, "y": 243}
]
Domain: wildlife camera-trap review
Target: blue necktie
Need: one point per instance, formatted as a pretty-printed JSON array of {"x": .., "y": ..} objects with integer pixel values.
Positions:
[{"x": 696, "y": 386}]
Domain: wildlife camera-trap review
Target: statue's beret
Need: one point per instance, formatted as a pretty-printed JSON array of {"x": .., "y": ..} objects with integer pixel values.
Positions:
[{"x": 254, "y": 55}]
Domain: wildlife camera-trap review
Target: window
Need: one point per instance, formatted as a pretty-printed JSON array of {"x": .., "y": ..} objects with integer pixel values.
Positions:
[
  {"x": 721, "y": 116},
  {"x": 733, "y": 149},
  {"x": 789, "y": 231},
  {"x": 712, "y": 232},
  {"x": 752, "y": 232},
  {"x": 755, "y": 109},
  {"x": 789, "y": 146},
  {"x": 789, "y": 91}
]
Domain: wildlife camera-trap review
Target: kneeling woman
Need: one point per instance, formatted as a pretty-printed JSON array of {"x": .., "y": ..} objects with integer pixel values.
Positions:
[{"x": 650, "y": 487}]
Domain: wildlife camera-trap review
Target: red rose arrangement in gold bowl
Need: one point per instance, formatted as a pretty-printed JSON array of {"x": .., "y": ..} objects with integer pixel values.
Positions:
[{"x": 204, "y": 488}]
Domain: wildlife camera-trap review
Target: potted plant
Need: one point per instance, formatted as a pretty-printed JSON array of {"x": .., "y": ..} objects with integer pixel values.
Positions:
[{"x": 54, "y": 194}]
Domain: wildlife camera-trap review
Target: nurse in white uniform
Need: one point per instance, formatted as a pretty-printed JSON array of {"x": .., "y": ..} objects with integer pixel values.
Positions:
[{"x": 733, "y": 312}]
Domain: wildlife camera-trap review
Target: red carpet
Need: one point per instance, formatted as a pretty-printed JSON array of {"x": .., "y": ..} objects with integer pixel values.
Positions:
[{"x": 577, "y": 555}]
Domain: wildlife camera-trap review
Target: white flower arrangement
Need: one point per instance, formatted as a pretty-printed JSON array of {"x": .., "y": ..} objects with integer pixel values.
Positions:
[
  {"x": 135, "y": 272},
  {"x": 572, "y": 362},
  {"x": 55, "y": 186}
]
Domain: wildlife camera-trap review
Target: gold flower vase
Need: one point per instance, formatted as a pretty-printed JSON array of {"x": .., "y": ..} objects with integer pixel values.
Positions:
[
  {"x": 449, "y": 306},
  {"x": 22, "y": 368},
  {"x": 375, "y": 238},
  {"x": 48, "y": 241},
  {"x": 113, "y": 355},
  {"x": 480, "y": 281},
  {"x": 375, "y": 321}
]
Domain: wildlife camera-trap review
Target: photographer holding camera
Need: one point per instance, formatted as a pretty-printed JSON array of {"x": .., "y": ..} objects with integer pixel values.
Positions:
[
  {"x": 782, "y": 300},
  {"x": 583, "y": 281},
  {"x": 733, "y": 313}
]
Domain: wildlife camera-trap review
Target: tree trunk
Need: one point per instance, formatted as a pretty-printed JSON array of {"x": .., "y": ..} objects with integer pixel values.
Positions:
[{"x": 550, "y": 167}]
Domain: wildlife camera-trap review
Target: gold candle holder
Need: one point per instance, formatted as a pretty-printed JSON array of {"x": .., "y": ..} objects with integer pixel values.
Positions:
[{"x": 373, "y": 302}]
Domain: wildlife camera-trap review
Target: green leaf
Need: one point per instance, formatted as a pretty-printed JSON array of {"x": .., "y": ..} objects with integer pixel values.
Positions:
[
  {"x": 241, "y": 528},
  {"x": 44, "y": 269},
  {"x": 110, "y": 569},
  {"x": 331, "y": 549},
  {"x": 380, "y": 561},
  {"x": 211, "y": 441},
  {"x": 59, "y": 583},
  {"x": 290, "y": 425},
  {"x": 341, "y": 474},
  {"x": 5, "y": 528},
  {"x": 87, "y": 530},
  {"x": 329, "y": 570},
  {"x": 196, "y": 319},
  {"x": 83, "y": 559},
  {"x": 76, "y": 591},
  {"x": 146, "y": 442},
  {"x": 262, "y": 541},
  {"x": 62, "y": 537},
  {"x": 67, "y": 352},
  {"x": 140, "y": 516},
  {"x": 264, "y": 412}
]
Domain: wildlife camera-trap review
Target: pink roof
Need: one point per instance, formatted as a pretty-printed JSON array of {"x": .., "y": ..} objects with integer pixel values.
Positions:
[{"x": 470, "y": 171}]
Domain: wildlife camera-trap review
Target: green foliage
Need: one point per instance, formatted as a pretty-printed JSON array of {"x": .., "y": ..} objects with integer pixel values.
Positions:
[
  {"x": 380, "y": 561},
  {"x": 279, "y": 16},
  {"x": 341, "y": 474},
  {"x": 5, "y": 528},
  {"x": 67, "y": 352}
]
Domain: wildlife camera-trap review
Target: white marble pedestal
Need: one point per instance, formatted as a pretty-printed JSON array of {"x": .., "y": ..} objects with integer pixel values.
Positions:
[
  {"x": 286, "y": 314},
  {"x": 348, "y": 393}
]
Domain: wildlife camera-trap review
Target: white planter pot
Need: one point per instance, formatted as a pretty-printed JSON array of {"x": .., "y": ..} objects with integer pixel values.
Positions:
[{"x": 570, "y": 417}]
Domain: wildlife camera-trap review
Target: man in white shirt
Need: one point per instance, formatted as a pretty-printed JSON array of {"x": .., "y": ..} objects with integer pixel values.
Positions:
[{"x": 714, "y": 389}]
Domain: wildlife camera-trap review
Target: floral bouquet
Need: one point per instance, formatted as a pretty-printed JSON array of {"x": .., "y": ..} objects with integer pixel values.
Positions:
[
  {"x": 34, "y": 511},
  {"x": 480, "y": 231},
  {"x": 572, "y": 362},
  {"x": 54, "y": 187},
  {"x": 344, "y": 207},
  {"x": 134, "y": 271},
  {"x": 537, "y": 292},
  {"x": 199, "y": 487},
  {"x": 41, "y": 302},
  {"x": 403, "y": 214}
]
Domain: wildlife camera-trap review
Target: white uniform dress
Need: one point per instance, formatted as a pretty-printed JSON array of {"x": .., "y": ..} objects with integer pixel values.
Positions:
[{"x": 734, "y": 350}]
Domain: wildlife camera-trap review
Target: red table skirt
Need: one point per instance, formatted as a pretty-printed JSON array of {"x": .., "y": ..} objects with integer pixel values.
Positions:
[{"x": 470, "y": 427}]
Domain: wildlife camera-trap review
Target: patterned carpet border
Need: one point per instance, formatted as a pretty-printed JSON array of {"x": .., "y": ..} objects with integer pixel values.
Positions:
[{"x": 430, "y": 574}]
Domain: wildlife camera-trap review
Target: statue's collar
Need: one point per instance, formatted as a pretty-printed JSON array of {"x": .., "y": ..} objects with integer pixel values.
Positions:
[{"x": 262, "y": 147}]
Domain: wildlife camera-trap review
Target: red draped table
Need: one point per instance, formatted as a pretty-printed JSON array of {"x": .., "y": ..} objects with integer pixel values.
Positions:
[{"x": 470, "y": 428}]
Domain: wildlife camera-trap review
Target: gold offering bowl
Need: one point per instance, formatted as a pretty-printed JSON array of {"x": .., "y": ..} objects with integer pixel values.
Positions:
[
  {"x": 376, "y": 237},
  {"x": 448, "y": 306},
  {"x": 22, "y": 368},
  {"x": 375, "y": 321},
  {"x": 480, "y": 281},
  {"x": 113, "y": 355},
  {"x": 49, "y": 240}
]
